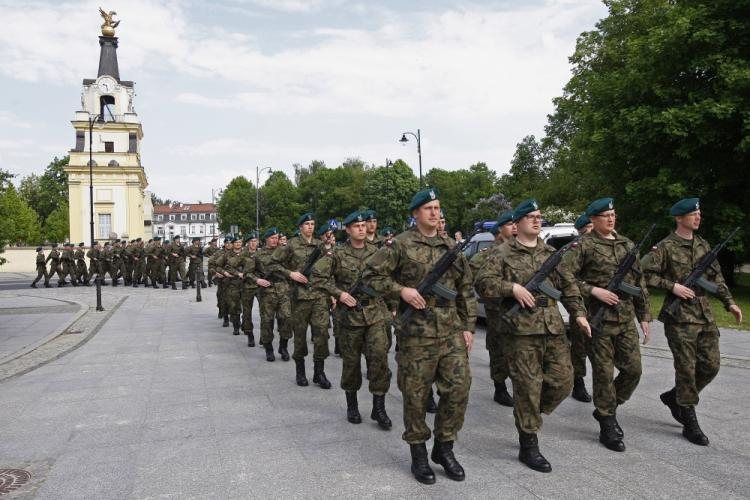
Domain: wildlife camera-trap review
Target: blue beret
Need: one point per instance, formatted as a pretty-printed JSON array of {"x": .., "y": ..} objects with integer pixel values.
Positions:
[
  {"x": 426, "y": 195},
  {"x": 324, "y": 229},
  {"x": 355, "y": 217},
  {"x": 270, "y": 232},
  {"x": 599, "y": 206},
  {"x": 282, "y": 233},
  {"x": 387, "y": 230},
  {"x": 504, "y": 218},
  {"x": 370, "y": 214},
  {"x": 525, "y": 207},
  {"x": 582, "y": 221},
  {"x": 685, "y": 206},
  {"x": 304, "y": 218}
]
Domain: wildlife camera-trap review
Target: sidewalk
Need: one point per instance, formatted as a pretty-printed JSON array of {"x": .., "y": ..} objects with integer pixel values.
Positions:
[{"x": 165, "y": 403}]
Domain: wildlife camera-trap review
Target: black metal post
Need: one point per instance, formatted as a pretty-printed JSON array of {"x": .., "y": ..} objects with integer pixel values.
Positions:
[
  {"x": 91, "y": 179},
  {"x": 419, "y": 152},
  {"x": 99, "y": 294}
]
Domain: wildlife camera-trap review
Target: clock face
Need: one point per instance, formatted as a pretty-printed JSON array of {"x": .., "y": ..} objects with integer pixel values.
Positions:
[{"x": 106, "y": 85}]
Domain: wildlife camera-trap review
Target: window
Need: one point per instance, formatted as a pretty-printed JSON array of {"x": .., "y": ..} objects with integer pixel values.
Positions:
[
  {"x": 200, "y": 229},
  {"x": 183, "y": 231},
  {"x": 171, "y": 216},
  {"x": 183, "y": 216},
  {"x": 202, "y": 216},
  {"x": 213, "y": 216},
  {"x": 193, "y": 216},
  {"x": 105, "y": 225},
  {"x": 108, "y": 108},
  {"x": 109, "y": 147},
  {"x": 160, "y": 231},
  {"x": 159, "y": 217}
]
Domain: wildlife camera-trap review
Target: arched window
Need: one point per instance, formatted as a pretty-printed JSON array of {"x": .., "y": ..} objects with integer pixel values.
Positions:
[{"x": 107, "y": 103}]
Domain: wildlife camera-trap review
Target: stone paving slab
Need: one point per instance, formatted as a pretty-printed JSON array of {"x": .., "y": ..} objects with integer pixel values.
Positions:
[{"x": 165, "y": 403}]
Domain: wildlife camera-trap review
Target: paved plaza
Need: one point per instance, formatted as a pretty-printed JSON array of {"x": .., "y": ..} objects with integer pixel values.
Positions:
[{"x": 159, "y": 401}]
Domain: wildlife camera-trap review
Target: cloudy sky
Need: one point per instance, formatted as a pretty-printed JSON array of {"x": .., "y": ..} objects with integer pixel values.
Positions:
[{"x": 226, "y": 85}]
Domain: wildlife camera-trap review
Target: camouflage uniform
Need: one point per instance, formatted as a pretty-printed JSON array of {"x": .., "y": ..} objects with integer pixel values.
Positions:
[
  {"x": 54, "y": 267},
  {"x": 249, "y": 290},
  {"x": 538, "y": 354},
  {"x": 694, "y": 337},
  {"x": 158, "y": 254},
  {"x": 95, "y": 264},
  {"x": 594, "y": 262},
  {"x": 221, "y": 303},
  {"x": 434, "y": 350},
  {"x": 273, "y": 301},
  {"x": 41, "y": 270},
  {"x": 195, "y": 256},
  {"x": 80, "y": 265},
  {"x": 362, "y": 331},
  {"x": 234, "y": 263},
  {"x": 118, "y": 265},
  {"x": 139, "y": 263},
  {"x": 68, "y": 265},
  {"x": 177, "y": 256},
  {"x": 127, "y": 262},
  {"x": 208, "y": 252}
]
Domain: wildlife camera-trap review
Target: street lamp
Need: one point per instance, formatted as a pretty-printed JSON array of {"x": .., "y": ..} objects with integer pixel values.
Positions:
[
  {"x": 388, "y": 163},
  {"x": 258, "y": 170},
  {"x": 418, "y": 137},
  {"x": 99, "y": 123}
]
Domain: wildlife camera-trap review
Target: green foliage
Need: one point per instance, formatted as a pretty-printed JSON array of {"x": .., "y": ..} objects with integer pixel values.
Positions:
[
  {"x": 236, "y": 207},
  {"x": 48, "y": 191},
  {"x": 489, "y": 208},
  {"x": 279, "y": 205},
  {"x": 57, "y": 225},
  {"x": 388, "y": 190},
  {"x": 18, "y": 222}
]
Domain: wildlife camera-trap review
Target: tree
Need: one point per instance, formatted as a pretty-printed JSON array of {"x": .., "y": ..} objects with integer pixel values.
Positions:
[
  {"x": 389, "y": 190},
  {"x": 57, "y": 225},
  {"x": 48, "y": 191},
  {"x": 280, "y": 204},
  {"x": 489, "y": 208},
  {"x": 18, "y": 222},
  {"x": 236, "y": 207}
]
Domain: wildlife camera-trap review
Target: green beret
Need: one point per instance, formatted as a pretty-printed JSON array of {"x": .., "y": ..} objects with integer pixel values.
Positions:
[
  {"x": 270, "y": 232},
  {"x": 176, "y": 237},
  {"x": 54, "y": 245},
  {"x": 38, "y": 249},
  {"x": 106, "y": 243},
  {"x": 685, "y": 206},
  {"x": 296, "y": 233},
  {"x": 197, "y": 238},
  {"x": 504, "y": 218},
  {"x": 442, "y": 214},
  {"x": 355, "y": 217},
  {"x": 370, "y": 214},
  {"x": 138, "y": 240},
  {"x": 305, "y": 217},
  {"x": 599, "y": 206},
  {"x": 426, "y": 195},
  {"x": 250, "y": 236},
  {"x": 157, "y": 238},
  {"x": 282, "y": 233},
  {"x": 582, "y": 221},
  {"x": 525, "y": 207},
  {"x": 387, "y": 230},
  {"x": 494, "y": 229},
  {"x": 80, "y": 244},
  {"x": 166, "y": 241},
  {"x": 324, "y": 229}
]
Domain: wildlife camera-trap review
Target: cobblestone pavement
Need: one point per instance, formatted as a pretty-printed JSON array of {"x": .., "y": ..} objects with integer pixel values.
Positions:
[{"x": 162, "y": 402}]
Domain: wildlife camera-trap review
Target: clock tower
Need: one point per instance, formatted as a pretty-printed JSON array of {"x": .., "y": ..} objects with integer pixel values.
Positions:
[{"x": 105, "y": 164}]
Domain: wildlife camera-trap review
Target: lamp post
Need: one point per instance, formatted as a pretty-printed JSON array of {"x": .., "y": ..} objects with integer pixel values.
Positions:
[
  {"x": 92, "y": 119},
  {"x": 418, "y": 137},
  {"x": 388, "y": 163},
  {"x": 258, "y": 170}
]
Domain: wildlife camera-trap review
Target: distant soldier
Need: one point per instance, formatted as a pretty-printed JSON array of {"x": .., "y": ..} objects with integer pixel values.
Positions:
[
  {"x": 371, "y": 218},
  {"x": 54, "y": 267},
  {"x": 95, "y": 261},
  {"x": 147, "y": 257},
  {"x": 442, "y": 225},
  {"x": 82, "y": 274},
  {"x": 614, "y": 344},
  {"x": 578, "y": 339},
  {"x": 195, "y": 259},
  {"x": 68, "y": 265},
  {"x": 139, "y": 262},
  {"x": 236, "y": 267},
  {"x": 177, "y": 256},
  {"x": 117, "y": 265},
  {"x": 436, "y": 341},
  {"x": 157, "y": 263},
  {"x": 106, "y": 262},
  {"x": 282, "y": 239},
  {"x": 41, "y": 269},
  {"x": 208, "y": 252},
  {"x": 693, "y": 336},
  {"x": 165, "y": 262},
  {"x": 249, "y": 289},
  {"x": 538, "y": 354},
  {"x": 273, "y": 299},
  {"x": 221, "y": 302},
  {"x": 361, "y": 318}
]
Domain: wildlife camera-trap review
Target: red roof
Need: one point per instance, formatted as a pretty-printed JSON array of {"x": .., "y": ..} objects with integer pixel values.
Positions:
[{"x": 185, "y": 208}]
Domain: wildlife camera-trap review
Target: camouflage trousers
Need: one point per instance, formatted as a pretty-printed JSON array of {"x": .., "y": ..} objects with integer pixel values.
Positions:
[
  {"x": 274, "y": 304},
  {"x": 233, "y": 298},
  {"x": 248, "y": 296},
  {"x": 139, "y": 268},
  {"x": 192, "y": 268},
  {"x": 81, "y": 270},
  {"x": 221, "y": 296},
  {"x": 314, "y": 313},
  {"x": 370, "y": 340},
  {"x": 128, "y": 274},
  {"x": 496, "y": 342},
  {"x": 443, "y": 361},
  {"x": 41, "y": 272},
  {"x": 615, "y": 346},
  {"x": 67, "y": 270},
  {"x": 695, "y": 349},
  {"x": 95, "y": 269},
  {"x": 157, "y": 271},
  {"x": 177, "y": 267},
  {"x": 578, "y": 350},
  {"x": 542, "y": 377}
]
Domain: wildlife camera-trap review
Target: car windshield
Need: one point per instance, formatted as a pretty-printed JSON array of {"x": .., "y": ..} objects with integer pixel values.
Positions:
[{"x": 558, "y": 242}]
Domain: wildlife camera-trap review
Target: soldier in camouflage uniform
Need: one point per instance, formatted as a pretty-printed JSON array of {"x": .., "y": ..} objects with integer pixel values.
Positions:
[
  {"x": 195, "y": 260},
  {"x": 435, "y": 343},
  {"x": 693, "y": 336},
  {"x": 158, "y": 255},
  {"x": 139, "y": 262},
  {"x": 221, "y": 302},
  {"x": 95, "y": 261},
  {"x": 282, "y": 240},
  {"x": 68, "y": 265},
  {"x": 109, "y": 268},
  {"x": 578, "y": 339},
  {"x": 371, "y": 218},
  {"x": 273, "y": 299},
  {"x": 539, "y": 354},
  {"x": 41, "y": 269},
  {"x": 309, "y": 307},
  {"x": 613, "y": 345},
  {"x": 208, "y": 252},
  {"x": 127, "y": 262},
  {"x": 361, "y": 318},
  {"x": 176, "y": 260},
  {"x": 147, "y": 261},
  {"x": 117, "y": 263},
  {"x": 249, "y": 290},
  {"x": 497, "y": 335},
  {"x": 237, "y": 267},
  {"x": 54, "y": 267},
  {"x": 80, "y": 262}
]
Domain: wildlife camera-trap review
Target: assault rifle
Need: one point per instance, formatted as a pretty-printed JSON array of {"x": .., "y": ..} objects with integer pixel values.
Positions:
[
  {"x": 359, "y": 288},
  {"x": 307, "y": 270},
  {"x": 695, "y": 280},
  {"x": 536, "y": 284},
  {"x": 430, "y": 286},
  {"x": 617, "y": 283}
]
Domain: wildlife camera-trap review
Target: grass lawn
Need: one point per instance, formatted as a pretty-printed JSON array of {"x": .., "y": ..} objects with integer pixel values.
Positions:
[{"x": 741, "y": 294}]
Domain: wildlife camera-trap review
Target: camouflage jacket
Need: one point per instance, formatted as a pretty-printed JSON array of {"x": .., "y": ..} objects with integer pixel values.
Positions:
[
  {"x": 53, "y": 256},
  {"x": 237, "y": 263},
  {"x": 177, "y": 253},
  {"x": 279, "y": 283},
  {"x": 116, "y": 254},
  {"x": 293, "y": 257},
  {"x": 405, "y": 264},
  {"x": 158, "y": 252},
  {"x": 208, "y": 251},
  {"x": 476, "y": 263},
  {"x": 212, "y": 261},
  {"x": 513, "y": 262},
  {"x": 78, "y": 254},
  {"x": 93, "y": 254},
  {"x": 594, "y": 262},
  {"x": 337, "y": 271},
  {"x": 67, "y": 256},
  {"x": 670, "y": 261},
  {"x": 40, "y": 262},
  {"x": 127, "y": 253},
  {"x": 377, "y": 241},
  {"x": 194, "y": 252}
]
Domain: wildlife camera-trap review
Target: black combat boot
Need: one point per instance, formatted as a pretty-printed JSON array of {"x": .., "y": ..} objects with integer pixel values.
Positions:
[
  {"x": 607, "y": 432},
  {"x": 192, "y": 284},
  {"x": 185, "y": 286},
  {"x": 579, "y": 391},
  {"x": 420, "y": 467},
  {"x": 692, "y": 431},
  {"x": 220, "y": 315},
  {"x": 74, "y": 282},
  {"x": 235, "y": 326},
  {"x": 269, "y": 352},
  {"x": 378, "y": 412},
  {"x": 618, "y": 430},
  {"x": 352, "y": 408},
  {"x": 47, "y": 285},
  {"x": 226, "y": 321},
  {"x": 174, "y": 286},
  {"x": 670, "y": 400},
  {"x": 251, "y": 340},
  {"x": 442, "y": 454},
  {"x": 530, "y": 455},
  {"x": 87, "y": 283},
  {"x": 135, "y": 284},
  {"x": 61, "y": 284},
  {"x": 203, "y": 284},
  {"x": 336, "y": 349},
  {"x": 115, "y": 282},
  {"x": 282, "y": 349},
  {"x": 301, "y": 377},
  {"x": 319, "y": 374},
  {"x": 33, "y": 285},
  {"x": 501, "y": 395},
  {"x": 431, "y": 405}
]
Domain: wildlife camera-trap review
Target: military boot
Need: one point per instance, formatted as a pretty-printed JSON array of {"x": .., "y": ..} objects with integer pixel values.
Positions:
[
  {"x": 319, "y": 374},
  {"x": 135, "y": 284},
  {"x": 442, "y": 454},
  {"x": 165, "y": 285},
  {"x": 226, "y": 321},
  {"x": 501, "y": 395},
  {"x": 155, "y": 284},
  {"x": 431, "y": 405},
  {"x": 607, "y": 432},
  {"x": 378, "y": 412},
  {"x": 579, "y": 391},
  {"x": 115, "y": 282},
  {"x": 301, "y": 377},
  {"x": 33, "y": 285},
  {"x": 670, "y": 400},
  {"x": 192, "y": 284},
  {"x": 74, "y": 282},
  {"x": 336, "y": 348},
  {"x": 47, "y": 285},
  {"x": 692, "y": 431},
  {"x": 529, "y": 453},
  {"x": 174, "y": 286},
  {"x": 203, "y": 284},
  {"x": 269, "y": 352},
  {"x": 282, "y": 349},
  {"x": 420, "y": 467},
  {"x": 352, "y": 408},
  {"x": 235, "y": 326},
  {"x": 251, "y": 340}
]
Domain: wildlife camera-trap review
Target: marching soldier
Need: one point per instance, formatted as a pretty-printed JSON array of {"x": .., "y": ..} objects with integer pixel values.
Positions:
[
  {"x": 195, "y": 259},
  {"x": 371, "y": 218},
  {"x": 692, "y": 336},
  {"x": 106, "y": 261},
  {"x": 139, "y": 262},
  {"x": 273, "y": 299},
  {"x": 578, "y": 339},
  {"x": 128, "y": 262},
  {"x": 148, "y": 250},
  {"x": 54, "y": 259},
  {"x": 221, "y": 302},
  {"x": 309, "y": 307},
  {"x": 177, "y": 255},
  {"x": 209, "y": 251},
  {"x": 95, "y": 261},
  {"x": 41, "y": 269},
  {"x": 117, "y": 263},
  {"x": 539, "y": 354},
  {"x": 68, "y": 266},
  {"x": 613, "y": 345},
  {"x": 249, "y": 289},
  {"x": 165, "y": 262},
  {"x": 435, "y": 343},
  {"x": 237, "y": 268},
  {"x": 82, "y": 274},
  {"x": 282, "y": 239},
  {"x": 157, "y": 264},
  {"x": 361, "y": 319}
]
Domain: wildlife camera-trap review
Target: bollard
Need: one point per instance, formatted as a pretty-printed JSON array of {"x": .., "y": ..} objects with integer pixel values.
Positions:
[
  {"x": 198, "y": 287},
  {"x": 99, "y": 294}
]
